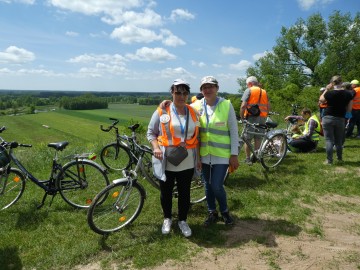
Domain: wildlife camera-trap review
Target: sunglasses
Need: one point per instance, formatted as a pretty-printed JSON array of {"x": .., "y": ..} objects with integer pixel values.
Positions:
[{"x": 185, "y": 94}]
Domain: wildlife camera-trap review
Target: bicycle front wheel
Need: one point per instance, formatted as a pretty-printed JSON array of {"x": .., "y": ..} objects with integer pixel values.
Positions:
[
  {"x": 80, "y": 181},
  {"x": 115, "y": 207},
  {"x": 273, "y": 151},
  {"x": 115, "y": 157},
  {"x": 12, "y": 186}
]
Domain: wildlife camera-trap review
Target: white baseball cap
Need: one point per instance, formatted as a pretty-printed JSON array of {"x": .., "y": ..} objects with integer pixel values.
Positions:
[
  {"x": 180, "y": 81},
  {"x": 208, "y": 79}
]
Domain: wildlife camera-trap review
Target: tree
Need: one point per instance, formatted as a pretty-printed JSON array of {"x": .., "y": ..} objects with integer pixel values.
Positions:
[
  {"x": 306, "y": 56},
  {"x": 311, "y": 52}
]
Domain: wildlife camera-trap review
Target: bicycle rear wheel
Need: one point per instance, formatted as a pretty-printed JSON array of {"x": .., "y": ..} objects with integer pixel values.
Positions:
[
  {"x": 273, "y": 151},
  {"x": 12, "y": 186},
  {"x": 147, "y": 170},
  {"x": 197, "y": 190},
  {"x": 115, "y": 207},
  {"x": 115, "y": 157},
  {"x": 80, "y": 181}
]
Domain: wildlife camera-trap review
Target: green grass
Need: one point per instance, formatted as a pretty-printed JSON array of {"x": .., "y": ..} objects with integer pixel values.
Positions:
[{"x": 58, "y": 237}]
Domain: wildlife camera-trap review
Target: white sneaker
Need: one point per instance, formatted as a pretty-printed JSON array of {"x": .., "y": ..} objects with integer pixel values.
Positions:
[
  {"x": 185, "y": 229},
  {"x": 166, "y": 226}
]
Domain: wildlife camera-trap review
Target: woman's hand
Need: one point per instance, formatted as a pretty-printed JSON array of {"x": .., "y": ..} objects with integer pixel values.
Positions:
[
  {"x": 158, "y": 153},
  {"x": 234, "y": 162}
]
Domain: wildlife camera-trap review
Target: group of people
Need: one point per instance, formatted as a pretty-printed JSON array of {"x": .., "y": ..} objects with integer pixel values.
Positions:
[
  {"x": 207, "y": 132},
  {"x": 339, "y": 105}
]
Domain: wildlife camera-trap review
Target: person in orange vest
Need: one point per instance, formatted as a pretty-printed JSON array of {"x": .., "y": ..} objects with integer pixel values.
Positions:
[
  {"x": 355, "y": 120},
  {"x": 254, "y": 94},
  {"x": 175, "y": 126}
]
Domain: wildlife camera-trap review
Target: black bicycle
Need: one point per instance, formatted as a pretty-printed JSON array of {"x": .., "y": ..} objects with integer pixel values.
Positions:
[
  {"x": 120, "y": 203},
  {"x": 116, "y": 155},
  {"x": 78, "y": 181}
]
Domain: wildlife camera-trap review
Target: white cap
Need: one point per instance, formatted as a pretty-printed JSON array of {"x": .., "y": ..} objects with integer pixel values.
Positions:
[
  {"x": 251, "y": 79},
  {"x": 180, "y": 81},
  {"x": 208, "y": 79}
]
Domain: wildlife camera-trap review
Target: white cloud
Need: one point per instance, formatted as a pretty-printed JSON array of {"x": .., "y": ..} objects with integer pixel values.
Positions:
[
  {"x": 230, "y": 50},
  {"x": 149, "y": 18},
  {"x": 198, "y": 64},
  {"x": 95, "y": 7},
  {"x": 71, "y": 34},
  {"x": 15, "y": 55},
  {"x": 242, "y": 65},
  {"x": 181, "y": 14},
  {"x": 96, "y": 58},
  {"x": 28, "y": 2},
  {"x": 151, "y": 54},
  {"x": 217, "y": 66},
  {"x": 257, "y": 56},
  {"x": 308, "y": 4},
  {"x": 169, "y": 39},
  {"x": 129, "y": 34},
  {"x": 178, "y": 72}
]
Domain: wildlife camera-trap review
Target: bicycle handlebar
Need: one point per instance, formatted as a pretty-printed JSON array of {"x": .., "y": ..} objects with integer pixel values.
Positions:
[{"x": 115, "y": 122}]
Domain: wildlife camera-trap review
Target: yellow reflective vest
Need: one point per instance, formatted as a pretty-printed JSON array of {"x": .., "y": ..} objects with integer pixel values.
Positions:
[{"x": 214, "y": 130}]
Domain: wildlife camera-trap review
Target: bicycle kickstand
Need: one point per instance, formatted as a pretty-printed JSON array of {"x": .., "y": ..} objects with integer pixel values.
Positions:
[{"x": 43, "y": 200}]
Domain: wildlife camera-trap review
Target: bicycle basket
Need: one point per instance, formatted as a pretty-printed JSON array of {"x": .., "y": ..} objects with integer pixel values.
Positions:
[{"x": 4, "y": 157}]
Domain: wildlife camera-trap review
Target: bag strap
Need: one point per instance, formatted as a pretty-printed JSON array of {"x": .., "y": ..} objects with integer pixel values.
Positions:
[
  {"x": 187, "y": 122},
  {"x": 260, "y": 95}
]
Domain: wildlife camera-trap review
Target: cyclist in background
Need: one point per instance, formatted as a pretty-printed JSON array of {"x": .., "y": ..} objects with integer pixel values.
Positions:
[
  {"x": 166, "y": 131},
  {"x": 254, "y": 94}
]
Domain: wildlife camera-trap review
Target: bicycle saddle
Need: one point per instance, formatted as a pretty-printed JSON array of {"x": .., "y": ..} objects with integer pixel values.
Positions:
[
  {"x": 271, "y": 124},
  {"x": 133, "y": 127},
  {"x": 59, "y": 145}
]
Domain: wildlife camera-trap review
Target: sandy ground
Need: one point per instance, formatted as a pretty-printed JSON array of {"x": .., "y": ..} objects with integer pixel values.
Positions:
[{"x": 251, "y": 245}]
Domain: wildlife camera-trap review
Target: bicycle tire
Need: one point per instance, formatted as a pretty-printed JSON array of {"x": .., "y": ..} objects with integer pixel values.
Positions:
[
  {"x": 106, "y": 214},
  {"x": 80, "y": 181},
  {"x": 115, "y": 157},
  {"x": 12, "y": 191},
  {"x": 197, "y": 190},
  {"x": 147, "y": 170},
  {"x": 273, "y": 151}
]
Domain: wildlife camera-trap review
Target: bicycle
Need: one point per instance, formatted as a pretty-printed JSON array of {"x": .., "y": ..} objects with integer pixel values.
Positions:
[
  {"x": 78, "y": 181},
  {"x": 292, "y": 121},
  {"x": 120, "y": 203},
  {"x": 115, "y": 156},
  {"x": 127, "y": 151},
  {"x": 273, "y": 146}
]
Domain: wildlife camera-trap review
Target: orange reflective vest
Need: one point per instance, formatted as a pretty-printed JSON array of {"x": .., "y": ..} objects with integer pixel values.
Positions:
[
  {"x": 167, "y": 137},
  {"x": 254, "y": 99},
  {"x": 356, "y": 100}
]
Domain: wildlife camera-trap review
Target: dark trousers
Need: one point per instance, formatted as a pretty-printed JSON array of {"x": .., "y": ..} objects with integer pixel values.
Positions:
[
  {"x": 183, "y": 181},
  {"x": 354, "y": 121},
  {"x": 302, "y": 145}
]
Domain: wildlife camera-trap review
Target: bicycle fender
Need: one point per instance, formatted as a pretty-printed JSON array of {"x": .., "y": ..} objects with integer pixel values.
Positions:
[
  {"x": 120, "y": 180},
  {"x": 88, "y": 161},
  {"x": 274, "y": 132}
]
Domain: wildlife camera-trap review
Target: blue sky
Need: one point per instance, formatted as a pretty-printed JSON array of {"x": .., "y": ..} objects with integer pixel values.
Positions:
[{"x": 141, "y": 45}]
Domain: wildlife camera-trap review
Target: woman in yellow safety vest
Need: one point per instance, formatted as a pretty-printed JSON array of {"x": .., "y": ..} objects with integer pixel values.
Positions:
[{"x": 218, "y": 146}]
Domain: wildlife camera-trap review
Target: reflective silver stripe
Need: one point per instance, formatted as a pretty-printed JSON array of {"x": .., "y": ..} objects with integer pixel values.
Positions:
[
  {"x": 216, "y": 145},
  {"x": 216, "y": 131},
  {"x": 167, "y": 128}
]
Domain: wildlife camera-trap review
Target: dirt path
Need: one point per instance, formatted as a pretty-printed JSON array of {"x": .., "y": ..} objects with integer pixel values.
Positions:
[{"x": 251, "y": 245}]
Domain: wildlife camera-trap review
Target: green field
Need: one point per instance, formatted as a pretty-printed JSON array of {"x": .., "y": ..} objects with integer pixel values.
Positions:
[{"x": 58, "y": 237}]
